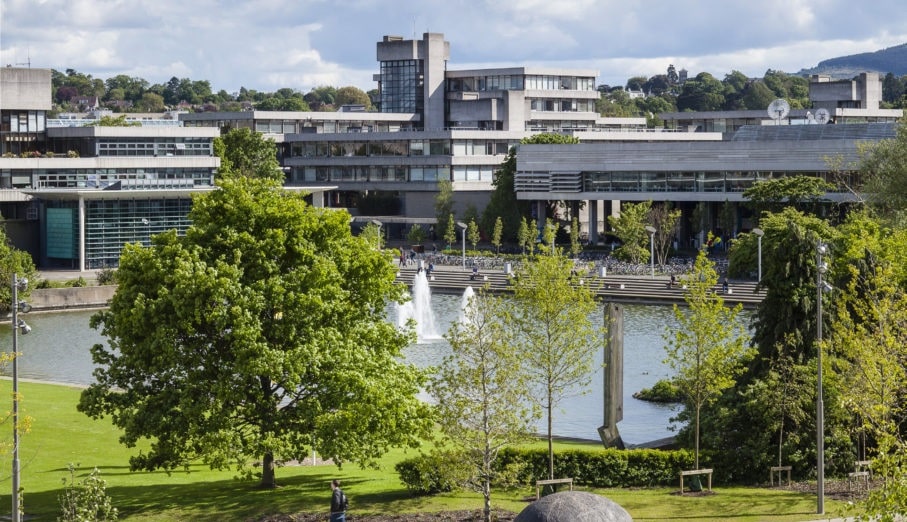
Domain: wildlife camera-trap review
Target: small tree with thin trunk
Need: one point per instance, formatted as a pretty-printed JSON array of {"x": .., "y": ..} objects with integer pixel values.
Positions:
[
  {"x": 482, "y": 400},
  {"x": 707, "y": 346},
  {"x": 472, "y": 233},
  {"x": 497, "y": 234},
  {"x": 450, "y": 233}
]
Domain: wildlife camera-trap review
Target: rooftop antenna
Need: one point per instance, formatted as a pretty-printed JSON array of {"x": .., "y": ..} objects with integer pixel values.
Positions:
[
  {"x": 778, "y": 109},
  {"x": 822, "y": 116},
  {"x": 27, "y": 58}
]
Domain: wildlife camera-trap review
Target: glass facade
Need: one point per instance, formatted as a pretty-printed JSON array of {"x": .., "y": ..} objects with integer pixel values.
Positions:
[
  {"x": 722, "y": 181},
  {"x": 22, "y": 131},
  {"x": 132, "y": 179},
  {"x": 401, "y": 86}
]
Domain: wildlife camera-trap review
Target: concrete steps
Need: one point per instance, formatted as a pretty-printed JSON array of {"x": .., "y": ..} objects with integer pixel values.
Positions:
[{"x": 626, "y": 289}]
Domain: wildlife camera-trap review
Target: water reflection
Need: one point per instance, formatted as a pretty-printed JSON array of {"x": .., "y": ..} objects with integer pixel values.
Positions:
[{"x": 57, "y": 349}]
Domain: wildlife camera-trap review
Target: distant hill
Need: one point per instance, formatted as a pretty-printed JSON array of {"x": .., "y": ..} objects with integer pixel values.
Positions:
[{"x": 891, "y": 60}]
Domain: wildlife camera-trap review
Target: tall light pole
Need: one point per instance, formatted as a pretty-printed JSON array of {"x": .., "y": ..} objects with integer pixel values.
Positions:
[
  {"x": 651, "y": 230},
  {"x": 821, "y": 267},
  {"x": 759, "y": 233},
  {"x": 378, "y": 224},
  {"x": 17, "y": 306},
  {"x": 463, "y": 228}
]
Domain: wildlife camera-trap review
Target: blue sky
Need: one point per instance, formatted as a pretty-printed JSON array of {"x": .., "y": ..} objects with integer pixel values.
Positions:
[{"x": 301, "y": 44}]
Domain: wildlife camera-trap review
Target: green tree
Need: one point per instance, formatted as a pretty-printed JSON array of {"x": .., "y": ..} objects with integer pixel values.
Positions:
[
  {"x": 481, "y": 395},
  {"x": 250, "y": 335},
  {"x": 803, "y": 193},
  {"x": 151, "y": 102},
  {"x": 884, "y": 167},
  {"x": 496, "y": 234},
  {"x": 630, "y": 228},
  {"x": 552, "y": 316},
  {"x": 14, "y": 261},
  {"x": 472, "y": 233},
  {"x": 416, "y": 234},
  {"x": 706, "y": 348},
  {"x": 245, "y": 153},
  {"x": 575, "y": 247},
  {"x": 524, "y": 235},
  {"x": 352, "y": 96},
  {"x": 450, "y": 231},
  {"x": 664, "y": 219},
  {"x": 444, "y": 206},
  {"x": 503, "y": 202},
  {"x": 372, "y": 233},
  {"x": 113, "y": 121}
]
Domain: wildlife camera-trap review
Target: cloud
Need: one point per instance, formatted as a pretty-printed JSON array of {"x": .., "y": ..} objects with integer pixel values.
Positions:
[{"x": 270, "y": 44}]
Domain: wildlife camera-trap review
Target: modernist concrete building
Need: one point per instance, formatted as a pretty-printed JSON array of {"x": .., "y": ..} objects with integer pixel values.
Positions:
[
  {"x": 686, "y": 174},
  {"x": 73, "y": 196},
  {"x": 436, "y": 123}
]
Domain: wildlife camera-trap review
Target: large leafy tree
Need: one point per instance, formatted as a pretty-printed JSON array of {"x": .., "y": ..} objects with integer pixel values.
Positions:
[
  {"x": 801, "y": 192},
  {"x": 707, "y": 348},
  {"x": 244, "y": 153},
  {"x": 483, "y": 402},
  {"x": 261, "y": 333},
  {"x": 14, "y": 261},
  {"x": 553, "y": 316},
  {"x": 884, "y": 167}
]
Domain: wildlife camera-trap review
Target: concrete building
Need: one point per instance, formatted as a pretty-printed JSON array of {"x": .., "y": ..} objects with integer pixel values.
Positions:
[{"x": 73, "y": 196}]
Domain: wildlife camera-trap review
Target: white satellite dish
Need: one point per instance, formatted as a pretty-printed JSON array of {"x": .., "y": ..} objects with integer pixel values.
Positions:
[
  {"x": 778, "y": 110},
  {"x": 822, "y": 116}
]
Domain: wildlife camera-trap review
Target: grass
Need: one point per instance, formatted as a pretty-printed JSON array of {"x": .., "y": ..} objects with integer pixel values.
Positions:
[{"x": 60, "y": 435}]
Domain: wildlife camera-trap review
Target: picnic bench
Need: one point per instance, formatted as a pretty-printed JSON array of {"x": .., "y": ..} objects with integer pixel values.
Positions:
[
  {"x": 706, "y": 471},
  {"x": 778, "y": 470},
  {"x": 550, "y": 482}
]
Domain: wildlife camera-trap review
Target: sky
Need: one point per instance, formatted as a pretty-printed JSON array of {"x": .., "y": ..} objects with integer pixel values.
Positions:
[{"x": 266, "y": 45}]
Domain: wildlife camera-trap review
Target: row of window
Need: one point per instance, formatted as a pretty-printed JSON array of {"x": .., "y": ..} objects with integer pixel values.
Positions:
[
  {"x": 549, "y": 105},
  {"x": 23, "y": 121},
  {"x": 314, "y": 149},
  {"x": 400, "y": 174},
  {"x": 129, "y": 178},
  {"x": 517, "y": 82}
]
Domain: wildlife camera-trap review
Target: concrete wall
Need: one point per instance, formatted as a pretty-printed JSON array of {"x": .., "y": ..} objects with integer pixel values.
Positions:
[
  {"x": 70, "y": 298},
  {"x": 25, "y": 89}
]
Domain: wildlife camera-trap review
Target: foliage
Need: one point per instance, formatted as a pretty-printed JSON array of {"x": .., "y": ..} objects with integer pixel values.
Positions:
[
  {"x": 664, "y": 391},
  {"x": 503, "y": 202},
  {"x": 87, "y": 500},
  {"x": 803, "y": 193},
  {"x": 483, "y": 404},
  {"x": 444, "y": 207},
  {"x": 883, "y": 164},
  {"x": 450, "y": 231},
  {"x": 372, "y": 234},
  {"x": 436, "y": 472},
  {"x": 249, "y": 336},
  {"x": 706, "y": 349},
  {"x": 630, "y": 228},
  {"x": 497, "y": 234},
  {"x": 245, "y": 153},
  {"x": 416, "y": 234},
  {"x": 113, "y": 121},
  {"x": 552, "y": 317},
  {"x": 350, "y": 95},
  {"x": 14, "y": 261},
  {"x": 525, "y": 236},
  {"x": 575, "y": 247},
  {"x": 472, "y": 233},
  {"x": 664, "y": 218}
]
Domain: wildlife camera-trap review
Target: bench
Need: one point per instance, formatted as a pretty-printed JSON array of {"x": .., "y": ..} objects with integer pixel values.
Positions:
[
  {"x": 691, "y": 472},
  {"x": 550, "y": 482},
  {"x": 778, "y": 470}
]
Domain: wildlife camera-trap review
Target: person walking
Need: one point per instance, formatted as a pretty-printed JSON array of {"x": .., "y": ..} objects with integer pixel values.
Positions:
[{"x": 338, "y": 502}]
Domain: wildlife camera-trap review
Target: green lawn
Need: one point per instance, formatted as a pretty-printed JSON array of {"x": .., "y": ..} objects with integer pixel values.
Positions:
[{"x": 60, "y": 435}]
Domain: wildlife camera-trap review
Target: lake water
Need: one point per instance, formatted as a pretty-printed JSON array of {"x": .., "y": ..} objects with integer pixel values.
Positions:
[{"x": 57, "y": 349}]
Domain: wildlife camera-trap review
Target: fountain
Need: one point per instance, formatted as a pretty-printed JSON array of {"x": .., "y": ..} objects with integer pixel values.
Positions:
[
  {"x": 464, "y": 304},
  {"x": 418, "y": 308}
]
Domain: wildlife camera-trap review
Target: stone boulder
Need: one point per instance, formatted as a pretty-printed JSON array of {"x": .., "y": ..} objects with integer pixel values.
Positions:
[{"x": 573, "y": 506}]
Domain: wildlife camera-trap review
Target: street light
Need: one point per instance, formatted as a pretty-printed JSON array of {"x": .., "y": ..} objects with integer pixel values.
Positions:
[
  {"x": 17, "y": 324},
  {"x": 651, "y": 230},
  {"x": 759, "y": 233},
  {"x": 377, "y": 224},
  {"x": 463, "y": 227},
  {"x": 821, "y": 286}
]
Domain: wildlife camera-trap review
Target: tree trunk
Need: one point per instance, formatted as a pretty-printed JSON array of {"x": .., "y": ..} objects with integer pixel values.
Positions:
[
  {"x": 697, "y": 436},
  {"x": 267, "y": 471},
  {"x": 550, "y": 446}
]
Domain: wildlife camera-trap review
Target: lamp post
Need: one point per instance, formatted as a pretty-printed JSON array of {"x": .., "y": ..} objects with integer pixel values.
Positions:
[
  {"x": 759, "y": 233},
  {"x": 463, "y": 228},
  {"x": 378, "y": 224},
  {"x": 821, "y": 268},
  {"x": 651, "y": 230},
  {"x": 17, "y": 306}
]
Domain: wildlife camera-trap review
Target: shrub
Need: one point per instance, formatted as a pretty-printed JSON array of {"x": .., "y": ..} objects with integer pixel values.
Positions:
[
  {"x": 662, "y": 391},
  {"x": 72, "y": 154},
  {"x": 78, "y": 283},
  {"x": 87, "y": 500},
  {"x": 436, "y": 472},
  {"x": 107, "y": 276}
]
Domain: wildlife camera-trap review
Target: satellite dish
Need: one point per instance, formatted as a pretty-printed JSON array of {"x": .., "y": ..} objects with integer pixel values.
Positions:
[
  {"x": 778, "y": 109},
  {"x": 822, "y": 116}
]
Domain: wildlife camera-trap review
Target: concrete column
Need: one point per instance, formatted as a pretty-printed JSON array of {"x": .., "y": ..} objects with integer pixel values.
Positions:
[
  {"x": 592, "y": 205},
  {"x": 615, "y": 207}
]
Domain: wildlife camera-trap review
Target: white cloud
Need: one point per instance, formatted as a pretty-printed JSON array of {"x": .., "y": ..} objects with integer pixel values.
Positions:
[{"x": 269, "y": 44}]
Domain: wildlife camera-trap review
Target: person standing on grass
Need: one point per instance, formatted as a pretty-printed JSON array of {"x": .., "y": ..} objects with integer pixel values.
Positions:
[{"x": 338, "y": 502}]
